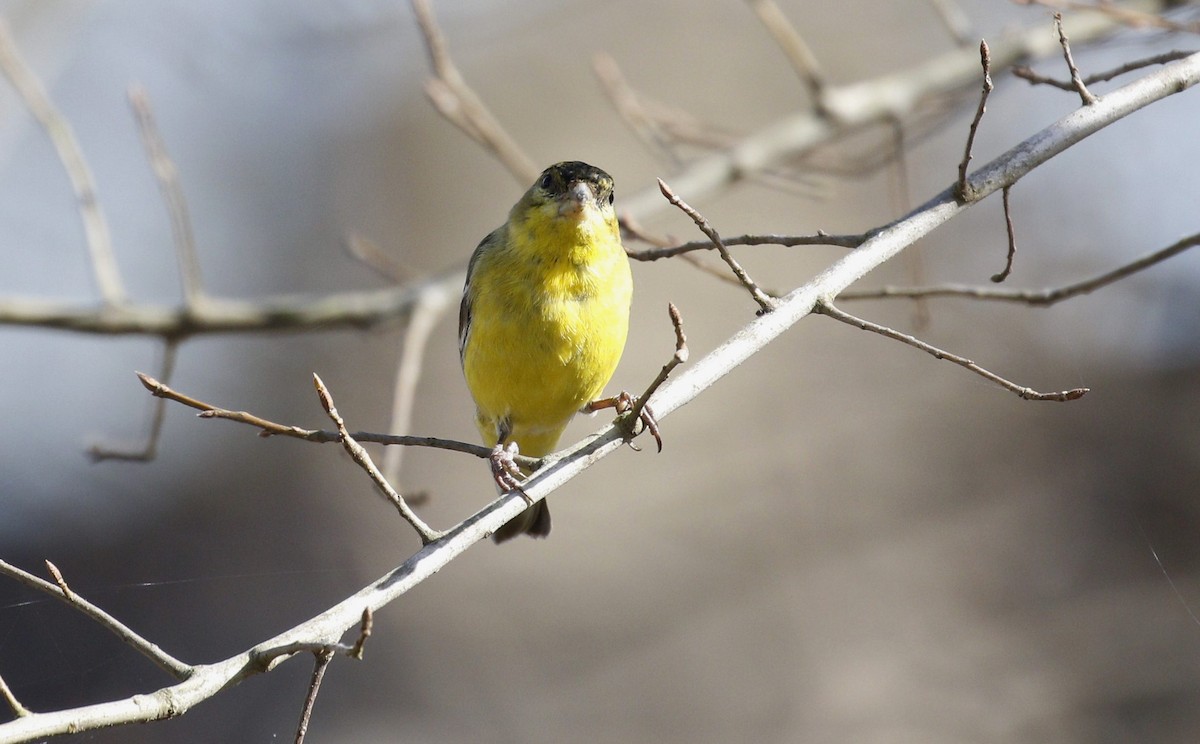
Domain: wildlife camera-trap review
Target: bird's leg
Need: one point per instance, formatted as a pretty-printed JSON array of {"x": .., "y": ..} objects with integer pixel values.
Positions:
[
  {"x": 624, "y": 402},
  {"x": 505, "y": 471}
]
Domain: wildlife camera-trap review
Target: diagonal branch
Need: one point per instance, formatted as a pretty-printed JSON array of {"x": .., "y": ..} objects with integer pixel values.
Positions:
[
  {"x": 827, "y": 308},
  {"x": 1034, "y": 297},
  {"x": 59, "y": 589},
  {"x": 363, "y": 460},
  {"x": 457, "y": 102}
]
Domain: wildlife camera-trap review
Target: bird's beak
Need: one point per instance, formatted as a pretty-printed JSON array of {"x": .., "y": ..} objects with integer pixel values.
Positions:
[{"x": 579, "y": 195}]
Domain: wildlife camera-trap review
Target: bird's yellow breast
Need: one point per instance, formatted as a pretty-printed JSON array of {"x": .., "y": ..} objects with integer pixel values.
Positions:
[{"x": 549, "y": 317}]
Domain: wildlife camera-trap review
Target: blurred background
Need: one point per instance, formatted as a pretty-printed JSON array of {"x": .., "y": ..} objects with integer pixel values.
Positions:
[{"x": 843, "y": 540}]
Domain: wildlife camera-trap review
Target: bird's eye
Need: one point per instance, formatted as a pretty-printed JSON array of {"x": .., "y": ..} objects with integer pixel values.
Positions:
[
  {"x": 546, "y": 182},
  {"x": 611, "y": 196}
]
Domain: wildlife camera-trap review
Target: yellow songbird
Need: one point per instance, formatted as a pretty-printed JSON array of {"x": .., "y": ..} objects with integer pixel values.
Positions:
[{"x": 543, "y": 320}]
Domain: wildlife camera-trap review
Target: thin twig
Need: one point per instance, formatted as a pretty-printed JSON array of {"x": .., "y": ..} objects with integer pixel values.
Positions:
[
  {"x": 826, "y": 308},
  {"x": 314, "y": 686},
  {"x": 821, "y": 238},
  {"x": 363, "y": 459},
  {"x": 799, "y": 54},
  {"x": 421, "y": 322},
  {"x": 985, "y": 59},
  {"x": 1076, "y": 81},
  {"x": 1033, "y": 297},
  {"x": 167, "y": 176},
  {"x": 1033, "y": 78},
  {"x": 320, "y": 436},
  {"x": 20, "y": 710},
  {"x": 158, "y": 416},
  {"x": 679, "y": 357},
  {"x": 62, "y": 136},
  {"x": 458, "y": 103},
  {"x": 1012, "y": 238},
  {"x": 766, "y": 303},
  {"x": 165, "y": 661}
]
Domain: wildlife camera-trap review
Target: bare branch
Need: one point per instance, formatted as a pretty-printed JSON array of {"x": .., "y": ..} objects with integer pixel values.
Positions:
[
  {"x": 62, "y": 136},
  {"x": 766, "y": 303},
  {"x": 826, "y": 308},
  {"x": 986, "y": 60},
  {"x": 165, "y": 661},
  {"x": 896, "y": 95},
  {"x": 363, "y": 460},
  {"x": 158, "y": 416},
  {"x": 314, "y": 686},
  {"x": 458, "y": 103},
  {"x": 20, "y": 710},
  {"x": 1034, "y": 297},
  {"x": 1076, "y": 81},
  {"x": 1012, "y": 238},
  {"x": 1100, "y": 77},
  {"x": 167, "y": 176},
  {"x": 421, "y": 323},
  {"x": 625, "y": 101},
  {"x": 360, "y": 309},
  {"x": 821, "y": 238},
  {"x": 801, "y": 57},
  {"x": 679, "y": 357},
  {"x": 270, "y": 428}
]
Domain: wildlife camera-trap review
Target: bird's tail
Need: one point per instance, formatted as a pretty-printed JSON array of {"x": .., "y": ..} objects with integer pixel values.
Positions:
[{"x": 534, "y": 521}]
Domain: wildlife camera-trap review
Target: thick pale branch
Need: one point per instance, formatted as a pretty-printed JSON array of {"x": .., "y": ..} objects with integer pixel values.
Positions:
[
  {"x": 361, "y": 309},
  {"x": 890, "y": 97}
]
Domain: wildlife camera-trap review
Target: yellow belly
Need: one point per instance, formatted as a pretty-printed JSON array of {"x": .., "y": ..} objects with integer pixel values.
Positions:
[{"x": 545, "y": 339}]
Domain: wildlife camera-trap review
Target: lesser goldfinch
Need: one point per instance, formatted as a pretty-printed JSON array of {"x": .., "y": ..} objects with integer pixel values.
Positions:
[{"x": 543, "y": 320}]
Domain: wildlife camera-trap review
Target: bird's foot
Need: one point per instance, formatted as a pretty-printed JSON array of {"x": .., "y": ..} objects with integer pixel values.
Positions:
[{"x": 504, "y": 469}]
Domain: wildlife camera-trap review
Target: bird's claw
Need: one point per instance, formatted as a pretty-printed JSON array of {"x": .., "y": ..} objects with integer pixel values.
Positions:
[{"x": 504, "y": 469}]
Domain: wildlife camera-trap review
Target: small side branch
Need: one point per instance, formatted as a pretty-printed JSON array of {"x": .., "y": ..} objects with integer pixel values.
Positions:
[
  {"x": 679, "y": 357},
  {"x": 1101, "y": 77},
  {"x": 158, "y": 416},
  {"x": 314, "y": 686},
  {"x": 1012, "y": 238},
  {"x": 826, "y": 308},
  {"x": 363, "y": 459},
  {"x": 20, "y": 710},
  {"x": 767, "y": 304},
  {"x": 1076, "y": 80},
  {"x": 787, "y": 241},
  {"x": 985, "y": 58},
  {"x": 321, "y": 436},
  {"x": 59, "y": 589}
]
